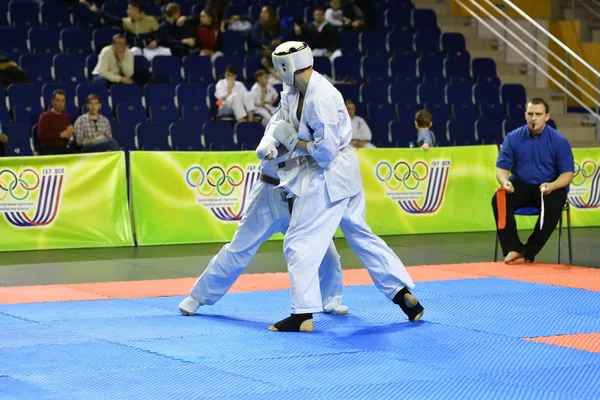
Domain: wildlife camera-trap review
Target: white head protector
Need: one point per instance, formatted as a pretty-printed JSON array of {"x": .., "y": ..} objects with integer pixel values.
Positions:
[{"x": 290, "y": 57}]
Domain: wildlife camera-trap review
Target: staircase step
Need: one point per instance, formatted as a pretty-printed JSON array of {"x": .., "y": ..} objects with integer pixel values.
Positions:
[
  {"x": 567, "y": 121},
  {"x": 580, "y": 134},
  {"x": 557, "y": 107},
  {"x": 440, "y": 9},
  {"x": 509, "y": 69},
  {"x": 449, "y": 20},
  {"x": 468, "y": 31},
  {"x": 583, "y": 144},
  {"x": 496, "y": 55},
  {"x": 525, "y": 80},
  {"x": 480, "y": 44},
  {"x": 544, "y": 93}
]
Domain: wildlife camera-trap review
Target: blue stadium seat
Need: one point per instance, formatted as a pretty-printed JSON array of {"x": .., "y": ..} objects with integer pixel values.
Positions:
[
  {"x": 249, "y": 133},
  {"x": 431, "y": 93},
  {"x": 489, "y": 132},
  {"x": 55, "y": 15},
  {"x": 153, "y": 137},
  {"x": 27, "y": 115},
  {"x": 510, "y": 125},
  {"x": 346, "y": 67},
  {"x": 4, "y": 115},
  {"x": 380, "y": 113},
  {"x": 49, "y": 88},
  {"x": 167, "y": 67},
  {"x": 404, "y": 69},
  {"x": 158, "y": 94},
  {"x": 483, "y": 68},
  {"x": 125, "y": 94},
  {"x": 84, "y": 18},
  {"x": 491, "y": 112},
  {"x": 222, "y": 62},
  {"x": 217, "y": 132},
  {"x": 403, "y": 93},
  {"x": 349, "y": 92},
  {"x": 296, "y": 12},
  {"x": 44, "y": 41},
  {"x": 462, "y": 133},
  {"x": 124, "y": 134},
  {"x": 141, "y": 62},
  {"x": 152, "y": 9},
  {"x": 102, "y": 37},
  {"x": 254, "y": 11},
  {"x": 251, "y": 65},
  {"x": 118, "y": 9},
  {"x": 459, "y": 93},
  {"x": 23, "y": 14},
  {"x": 83, "y": 90},
  {"x": 486, "y": 94},
  {"x": 191, "y": 94},
  {"x": 515, "y": 110},
  {"x": 323, "y": 66},
  {"x": 3, "y": 13},
  {"x": 427, "y": 44},
  {"x": 164, "y": 114},
  {"x": 425, "y": 21},
  {"x": 234, "y": 43},
  {"x": 236, "y": 9},
  {"x": 14, "y": 40},
  {"x": 223, "y": 146},
  {"x": 197, "y": 114},
  {"x": 406, "y": 111},
  {"x": 90, "y": 64},
  {"x": 185, "y": 136},
  {"x": 397, "y": 16},
  {"x": 23, "y": 94},
  {"x": 453, "y": 43},
  {"x": 513, "y": 93},
  {"x": 403, "y": 132},
  {"x": 431, "y": 68},
  {"x": 465, "y": 111},
  {"x": 131, "y": 114},
  {"x": 374, "y": 93},
  {"x": 76, "y": 41},
  {"x": 374, "y": 69},
  {"x": 457, "y": 69},
  {"x": 551, "y": 123},
  {"x": 439, "y": 111},
  {"x": 349, "y": 43},
  {"x": 198, "y": 69},
  {"x": 38, "y": 67},
  {"x": 373, "y": 44},
  {"x": 308, "y": 16},
  {"x": 400, "y": 42},
  {"x": 18, "y": 140},
  {"x": 69, "y": 68}
]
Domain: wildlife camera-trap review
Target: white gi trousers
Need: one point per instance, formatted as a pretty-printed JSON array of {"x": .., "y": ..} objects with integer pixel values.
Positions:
[
  {"x": 315, "y": 220},
  {"x": 267, "y": 214},
  {"x": 237, "y": 104}
]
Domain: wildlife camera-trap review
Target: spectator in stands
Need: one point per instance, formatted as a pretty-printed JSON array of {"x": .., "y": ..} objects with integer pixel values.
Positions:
[
  {"x": 115, "y": 63},
  {"x": 361, "y": 133},
  {"x": 423, "y": 123},
  {"x": 535, "y": 159},
  {"x": 10, "y": 72},
  {"x": 265, "y": 96},
  {"x": 3, "y": 142},
  {"x": 54, "y": 126},
  {"x": 266, "y": 33},
  {"x": 274, "y": 78},
  {"x": 233, "y": 98},
  {"x": 322, "y": 36},
  {"x": 209, "y": 36},
  {"x": 140, "y": 29},
  {"x": 334, "y": 14},
  {"x": 170, "y": 35},
  {"x": 92, "y": 130},
  {"x": 353, "y": 17}
]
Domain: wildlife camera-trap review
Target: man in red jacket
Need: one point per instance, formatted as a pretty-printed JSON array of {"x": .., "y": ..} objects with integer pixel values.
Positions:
[{"x": 54, "y": 127}]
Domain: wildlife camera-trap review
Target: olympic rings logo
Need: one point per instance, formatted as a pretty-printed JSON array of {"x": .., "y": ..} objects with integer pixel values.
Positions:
[
  {"x": 19, "y": 187},
  {"x": 586, "y": 170},
  {"x": 215, "y": 178},
  {"x": 401, "y": 174}
]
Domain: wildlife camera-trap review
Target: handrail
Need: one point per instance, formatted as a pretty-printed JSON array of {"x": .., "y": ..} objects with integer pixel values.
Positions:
[
  {"x": 571, "y": 69},
  {"x": 589, "y": 8},
  {"x": 519, "y": 52},
  {"x": 551, "y": 36}
]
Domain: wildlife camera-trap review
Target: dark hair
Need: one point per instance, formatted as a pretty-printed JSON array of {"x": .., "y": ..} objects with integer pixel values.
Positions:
[
  {"x": 212, "y": 14},
  {"x": 423, "y": 118},
  {"x": 350, "y": 101},
  {"x": 172, "y": 9},
  {"x": 136, "y": 4},
  {"x": 318, "y": 9},
  {"x": 231, "y": 69},
  {"x": 93, "y": 97},
  {"x": 539, "y": 100},
  {"x": 259, "y": 73},
  {"x": 57, "y": 92},
  {"x": 117, "y": 37}
]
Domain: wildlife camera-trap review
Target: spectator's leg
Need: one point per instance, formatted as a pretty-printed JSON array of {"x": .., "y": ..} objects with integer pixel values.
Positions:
[
  {"x": 249, "y": 107},
  {"x": 264, "y": 114},
  {"x": 237, "y": 105},
  {"x": 553, "y": 206},
  {"x": 98, "y": 80}
]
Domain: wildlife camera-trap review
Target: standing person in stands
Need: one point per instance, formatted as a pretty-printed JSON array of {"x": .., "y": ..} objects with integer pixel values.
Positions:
[
  {"x": 54, "y": 127},
  {"x": 266, "y": 33}
]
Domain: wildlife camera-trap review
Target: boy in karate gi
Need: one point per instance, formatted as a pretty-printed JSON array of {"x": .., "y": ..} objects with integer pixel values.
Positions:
[
  {"x": 313, "y": 122},
  {"x": 264, "y": 96}
]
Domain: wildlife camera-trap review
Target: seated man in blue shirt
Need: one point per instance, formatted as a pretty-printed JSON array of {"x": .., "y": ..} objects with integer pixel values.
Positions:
[{"x": 534, "y": 158}]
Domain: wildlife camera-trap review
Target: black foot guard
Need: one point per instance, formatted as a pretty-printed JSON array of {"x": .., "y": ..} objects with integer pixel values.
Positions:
[
  {"x": 294, "y": 323},
  {"x": 413, "y": 309}
]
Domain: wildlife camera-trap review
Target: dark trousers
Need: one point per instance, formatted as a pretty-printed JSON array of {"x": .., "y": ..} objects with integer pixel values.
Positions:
[
  {"x": 46, "y": 151},
  {"x": 101, "y": 146},
  {"x": 2, "y": 149},
  {"x": 529, "y": 196}
]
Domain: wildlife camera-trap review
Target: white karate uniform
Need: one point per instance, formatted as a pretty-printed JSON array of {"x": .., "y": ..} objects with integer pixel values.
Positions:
[
  {"x": 239, "y": 103},
  {"x": 266, "y": 214},
  {"x": 361, "y": 131},
  {"x": 267, "y": 109},
  {"x": 329, "y": 191}
]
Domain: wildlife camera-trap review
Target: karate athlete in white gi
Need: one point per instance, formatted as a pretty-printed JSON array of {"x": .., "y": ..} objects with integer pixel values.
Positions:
[
  {"x": 267, "y": 213},
  {"x": 313, "y": 122}
]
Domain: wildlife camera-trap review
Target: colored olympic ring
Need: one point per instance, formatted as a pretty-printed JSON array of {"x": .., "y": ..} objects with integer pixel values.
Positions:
[
  {"x": 401, "y": 175},
  {"x": 580, "y": 170},
  {"x": 10, "y": 188},
  {"x": 216, "y": 178}
]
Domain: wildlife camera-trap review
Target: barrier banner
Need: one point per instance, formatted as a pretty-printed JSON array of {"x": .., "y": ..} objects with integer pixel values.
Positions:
[
  {"x": 190, "y": 197},
  {"x": 584, "y": 192},
  {"x": 70, "y": 201},
  {"x": 448, "y": 189}
]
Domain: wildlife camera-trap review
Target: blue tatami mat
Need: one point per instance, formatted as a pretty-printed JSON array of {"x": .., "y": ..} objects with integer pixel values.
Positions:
[{"x": 469, "y": 345}]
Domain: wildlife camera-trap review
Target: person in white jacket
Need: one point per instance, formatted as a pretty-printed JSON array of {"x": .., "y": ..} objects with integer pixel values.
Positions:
[
  {"x": 268, "y": 212},
  {"x": 361, "y": 133},
  {"x": 115, "y": 63},
  {"x": 312, "y": 121},
  {"x": 233, "y": 98},
  {"x": 265, "y": 96}
]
